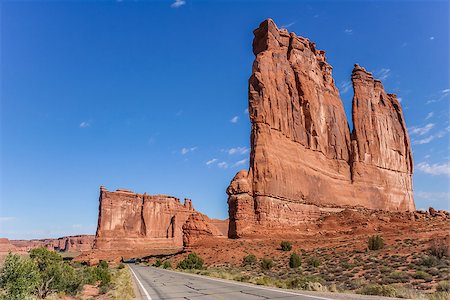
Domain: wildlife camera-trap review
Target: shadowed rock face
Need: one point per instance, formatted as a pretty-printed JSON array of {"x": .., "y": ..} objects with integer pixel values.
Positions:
[
  {"x": 156, "y": 224},
  {"x": 303, "y": 157}
]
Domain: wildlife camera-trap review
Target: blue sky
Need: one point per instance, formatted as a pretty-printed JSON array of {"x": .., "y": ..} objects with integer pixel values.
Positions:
[{"x": 151, "y": 96}]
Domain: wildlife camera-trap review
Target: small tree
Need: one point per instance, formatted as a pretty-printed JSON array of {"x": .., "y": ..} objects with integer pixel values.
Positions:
[
  {"x": 192, "y": 261},
  {"x": 266, "y": 263},
  {"x": 249, "y": 260},
  {"x": 19, "y": 277},
  {"x": 167, "y": 265},
  {"x": 286, "y": 246},
  {"x": 295, "y": 261},
  {"x": 375, "y": 242}
]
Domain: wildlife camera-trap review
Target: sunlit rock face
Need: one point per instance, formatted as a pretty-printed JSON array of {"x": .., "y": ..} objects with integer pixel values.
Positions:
[
  {"x": 303, "y": 157},
  {"x": 156, "y": 224}
]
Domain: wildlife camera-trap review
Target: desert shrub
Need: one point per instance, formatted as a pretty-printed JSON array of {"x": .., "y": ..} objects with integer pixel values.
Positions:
[
  {"x": 249, "y": 260},
  {"x": 439, "y": 248},
  {"x": 443, "y": 286},
  {"x": 167, "y": 265},
  {"x": 305, "y": 282},
  {"x": 19, "y": 277},
  {"x": 377, "y": 290},
  {"x": 192, "y": 261},
  {"x": 286, "y": 246},
  {"x": 157, "y": 263},
  {"x": 121, "y": 266},
  {"x": 399, "y": 276},
  {"x": 266, "y": 263},
  {"x": 103, "y": 264},
  {"x": 429, "y": 261},
  {"x": 295, "y": 261},
  {"x": 263, "y": 280},
  {"x": 375, "y": 242},
  {"x": 314, "y": 261},
  {"x": 422, "y": 275},
  {"x": 102, "y": 274}
]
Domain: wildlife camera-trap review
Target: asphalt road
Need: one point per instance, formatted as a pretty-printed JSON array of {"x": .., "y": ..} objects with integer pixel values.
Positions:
[{"x": 154, "y": 283}]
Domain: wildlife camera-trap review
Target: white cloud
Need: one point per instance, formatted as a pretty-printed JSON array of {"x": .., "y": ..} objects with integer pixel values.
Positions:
[
  {"x": 222, "y": 165},
  {"x": 383, "y": 74},
  {"x": 6, "y": 219},
  {"x": 288, "y": 25},
  {"x": 84, "y": 124},
  {"x": 434, "y": 169},
  {"x": 422, "y": 130},
  {"x": 77, "y": 226},
  {"x": 235, "y": 119},
  {"x": 345, "y": 86},
  {"x": 433, "y": 195},
  {"x": 348, "y": 31},
  {"x": 429, "y": 115},
  {"x": 431, "y": 38},
  {"x": 211, "y": 161},
  {"x": 246, "y": 111},
  {"x": 424, "y": 140},
  {"x": 178, "y": 3},
  {"x": 240, "y": 162},
  {"x": 187, "y": 150},
  {"x": 238, "y": 150},
  {"x": 439, "y": 96}
]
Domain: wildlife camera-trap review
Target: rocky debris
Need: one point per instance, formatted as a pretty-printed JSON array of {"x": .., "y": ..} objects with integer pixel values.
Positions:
[
  {"x": 131, "y": 223},
  {"x": 303, "y": 157}
]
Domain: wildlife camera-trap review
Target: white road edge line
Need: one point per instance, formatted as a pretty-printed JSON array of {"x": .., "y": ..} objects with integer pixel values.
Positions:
[
  {"x": 141, "y": 285},
  {"x": 250, "y": 285}
]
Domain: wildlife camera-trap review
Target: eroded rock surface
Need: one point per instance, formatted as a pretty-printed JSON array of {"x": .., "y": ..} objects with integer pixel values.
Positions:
[
  {"x": 144, "y": 224},
  {"x": 303, "y": 158}
]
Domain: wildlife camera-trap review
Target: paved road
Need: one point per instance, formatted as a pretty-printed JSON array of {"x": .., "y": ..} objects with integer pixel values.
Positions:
[{"x": 154, "y": 283}]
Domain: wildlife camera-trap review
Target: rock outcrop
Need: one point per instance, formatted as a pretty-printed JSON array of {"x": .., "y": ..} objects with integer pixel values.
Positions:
[
  {"x": 303, "y": 158},
  {"x": 75, "y": 243},
  {"x": 134, "y": 223}
]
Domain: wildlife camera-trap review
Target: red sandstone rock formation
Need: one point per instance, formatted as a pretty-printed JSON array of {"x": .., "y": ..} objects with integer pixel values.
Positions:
[
  {"x": 144, "y": 224},
  {"x": 303, "y": 157},
  {"x": 6, "y": 246},
  {"x": 76, "y": 243}
]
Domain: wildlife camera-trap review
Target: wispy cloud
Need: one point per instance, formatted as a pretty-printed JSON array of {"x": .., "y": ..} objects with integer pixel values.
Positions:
[
  {"x": 345, "y": 86},
  {"x": 235, "y": 119},
  {"x": 211, "y": 161},
  {"x": 222, "y": 165},
  {"x": 383, "y": 74},
  {"x": 84, "y": 124},
  {"x": 288, "y": 25},
  {"x": 422, "y": 130},
  {"x": 431, "y": 38},
  {"x": 77, "y": 226},
  {"x": 433, "y": 195},
  {"x": 246, "y": 111},
  {"x": 178, "y": 3},
  {"x": 434, "y": 169},
  {"x": 238, "y": 150},
  {"x": 429, "y": 115},
  {"x": 240, "y": 162},
  {"x": 438, "y": 135},
  {"x": 400, "y": 99},
  {"x": 184, "y": 151},
  {"x": 439, "y": 96},
  {"x": 348, "y": 31}
]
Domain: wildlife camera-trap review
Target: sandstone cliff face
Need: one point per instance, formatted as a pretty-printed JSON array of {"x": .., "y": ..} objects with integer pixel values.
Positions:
[
  {"x": 134, "y": 222},
  {"x": 76, "y": 243},
  {"x": 302, "y": 154}
]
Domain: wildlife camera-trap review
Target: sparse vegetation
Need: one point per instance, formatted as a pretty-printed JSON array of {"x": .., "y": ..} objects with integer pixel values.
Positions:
[
  {"x": 192, "y": 261},
  {"x": 375, "y": 242},
  {"x": 439, "y": 248},
  {"x": 167, "y": 265},
  {"x": 266, "y": 263},
  {"x": 157, "y": 263},
  {"x": 314, "y": 262},
  {"x": 249, "y": 260},
  {"x": 286, "y": 246},
  {"x": 295, "y": 261}
]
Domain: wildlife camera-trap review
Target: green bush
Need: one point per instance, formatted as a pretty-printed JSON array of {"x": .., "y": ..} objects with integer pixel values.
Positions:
[
  {"x": 103, "y": 274},
  {"x": 295, "y": 261},
  {"x": 19, "y": 277},
  {"x": 377, "y": 290},
  {"x": 314, "y": 261},
  {"x": 375, "y": 242},
  {"x": 121, "y": 266},
  {"x": 266, "y": 263},
  {"x": 157, "y": 263},
  {"x": 422, "y": 275},
  {"x": 167, "y": 265},
  {"x": 439, "y": 248},
  {"x": 192, "y": 261},
  {"x": 429, "y": 261},
  {"x": 286, "y": 246},
  {"x": 249, "y": 260}
]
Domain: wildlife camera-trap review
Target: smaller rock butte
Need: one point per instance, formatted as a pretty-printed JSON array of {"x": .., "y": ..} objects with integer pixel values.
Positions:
[
  {"x": 75, "y": 243},
  {"x": 303, "y": 159},
  {"x": 149, "y": 225}
]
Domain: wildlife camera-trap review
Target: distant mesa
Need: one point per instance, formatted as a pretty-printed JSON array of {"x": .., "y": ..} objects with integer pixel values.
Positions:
[{"x": 303, "y": 157}]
